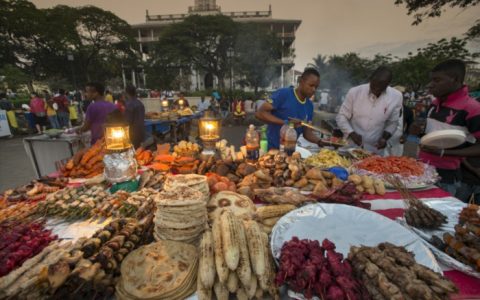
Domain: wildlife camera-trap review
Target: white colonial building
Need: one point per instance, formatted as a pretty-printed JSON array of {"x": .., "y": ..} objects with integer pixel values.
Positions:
[{"x": 150, "y": 31}]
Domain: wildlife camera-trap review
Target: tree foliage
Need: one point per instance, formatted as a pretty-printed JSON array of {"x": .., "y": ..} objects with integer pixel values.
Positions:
[
  {"x": 257, "y": 53},
  {"x": 38, "y": 41},
  {"x": 423, "y": 9},
  {"x": 340, "y": 72}
]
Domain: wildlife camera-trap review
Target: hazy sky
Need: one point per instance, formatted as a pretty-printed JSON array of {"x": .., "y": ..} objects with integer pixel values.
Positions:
[{"x": 328, "y": 26}]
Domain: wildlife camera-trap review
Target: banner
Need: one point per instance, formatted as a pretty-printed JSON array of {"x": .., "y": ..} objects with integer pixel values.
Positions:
[{"x": 4, "y": 127}]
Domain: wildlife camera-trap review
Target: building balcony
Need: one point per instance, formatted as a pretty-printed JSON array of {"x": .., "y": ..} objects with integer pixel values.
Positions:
[
  {"x": 171, "y": 17},
  {"x": 193, "y": 9},
  {"x": 248, "y": 14}
]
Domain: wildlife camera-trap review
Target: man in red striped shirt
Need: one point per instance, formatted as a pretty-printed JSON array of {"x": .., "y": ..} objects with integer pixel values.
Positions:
[{"x": 452, "y": 109}]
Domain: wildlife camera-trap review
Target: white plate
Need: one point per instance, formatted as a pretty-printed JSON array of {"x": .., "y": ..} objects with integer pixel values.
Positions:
[
  {"x": 444, "y": 139},
  {"x": 347, "y": 226}
]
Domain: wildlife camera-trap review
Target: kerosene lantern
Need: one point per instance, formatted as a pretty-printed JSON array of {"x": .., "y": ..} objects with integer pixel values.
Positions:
[
  {"x": 165, "y": 105},
  {"x": 119, "y": 160},
  {"x": 209, "y": 131}
]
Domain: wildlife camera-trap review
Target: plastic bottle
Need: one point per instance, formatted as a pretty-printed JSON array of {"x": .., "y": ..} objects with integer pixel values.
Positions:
[
  {"x": 263, "y": 141},
  {"x": 253, "y": 144},
  {"x": 283, "y": 130},
  {"x": 290, "y": 140}
]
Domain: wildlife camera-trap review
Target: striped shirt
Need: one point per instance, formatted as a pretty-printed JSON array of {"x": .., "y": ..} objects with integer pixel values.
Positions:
[{"x": 458, "y": 111}]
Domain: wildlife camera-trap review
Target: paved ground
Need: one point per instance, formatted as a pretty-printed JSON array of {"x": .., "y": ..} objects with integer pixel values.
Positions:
[{"x": 16, "y": 168}]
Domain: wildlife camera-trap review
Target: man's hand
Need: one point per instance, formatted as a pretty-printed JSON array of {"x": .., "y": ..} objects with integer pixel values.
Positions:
[
  {"x": 432, "y": 150},
  {"x": 402, "y": 139},
  {"x": 381, "y": 144},
  {"x": 356, "y": 138}
]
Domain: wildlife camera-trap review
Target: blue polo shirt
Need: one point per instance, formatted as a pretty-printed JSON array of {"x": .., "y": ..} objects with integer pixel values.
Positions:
[{"x": 286, "y": 104}]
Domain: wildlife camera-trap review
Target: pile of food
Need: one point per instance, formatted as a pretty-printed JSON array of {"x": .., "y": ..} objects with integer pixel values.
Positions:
[
  {"x": 144, "y": 157},
  {"x": 470, "y": 214},
  {"x": 91, "y": 267},
  {"x": 390, "y": 272},
  {"x": 411, "y": 172},
  {"x": 327, "y": 158},
  {"x": 187, "y": 149},
  {"x": 73, "y": 203},
  {"x": 313, "y": 269},
  {"x": 162, "y": 270},
  {"x": 235, "y": 259},
  {"x": 174, "y": 183},
  {"x": 21, "y": 211},
  {"x": 218, "y": 183},
  {"x": 127, "y": 205},
  {"x": 86, "y": 163},
  {"x": 152, "y": 179},
  {"x": 37, "y": 190},
  {"x": 347, "y": 194},
  {"x": 181, "y": 215},
  {"x": 268, "y": 215},
  {"x": 20, "y": 241},
  {"x": 418, "y": 214},
  {"x": 274, "y": 195},
  {"x": 464, "y": 244}
]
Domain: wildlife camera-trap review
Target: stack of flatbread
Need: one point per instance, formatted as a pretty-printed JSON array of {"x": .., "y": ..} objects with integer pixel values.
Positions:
[
  {"x": 181, "y": 216},
  {"x": 193, "y": 181},
  {"x": 162, "y": 270}
]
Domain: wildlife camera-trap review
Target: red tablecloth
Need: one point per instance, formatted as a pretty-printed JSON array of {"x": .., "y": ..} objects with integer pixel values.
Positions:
[{"x": 469, "y": 286}]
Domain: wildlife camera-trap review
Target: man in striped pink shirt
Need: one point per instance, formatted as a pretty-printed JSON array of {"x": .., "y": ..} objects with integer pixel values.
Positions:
[{"x": 451, "y": 109}]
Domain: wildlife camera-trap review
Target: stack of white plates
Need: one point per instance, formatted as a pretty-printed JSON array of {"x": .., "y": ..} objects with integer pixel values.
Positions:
[{"x": 444, "y": 139}]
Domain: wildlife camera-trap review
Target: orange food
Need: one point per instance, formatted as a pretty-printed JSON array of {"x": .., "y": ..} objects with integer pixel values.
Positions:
[
  {"x": 405, "y": 166},
  {"x": 160, "y": 167},
  {"x": 164, "y": 158},
  {"x": 163, "y": 148}
]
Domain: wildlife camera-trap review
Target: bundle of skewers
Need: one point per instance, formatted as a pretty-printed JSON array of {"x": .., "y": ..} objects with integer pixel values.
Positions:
[{"x": 417, "y": 214}]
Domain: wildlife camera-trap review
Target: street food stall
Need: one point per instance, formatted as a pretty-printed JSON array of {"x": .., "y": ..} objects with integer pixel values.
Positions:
[{"x": 339, "y": 224}]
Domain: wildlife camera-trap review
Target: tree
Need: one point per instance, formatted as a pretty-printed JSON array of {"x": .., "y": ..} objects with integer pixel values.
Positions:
[
  {"x": 38, "y": 41},
  {"x": 422, "y": 9},
  {"x": 13, "y": 77},
  {"x": 257, "y": 53},
  {"x": 104, "y": 41},
  {"x": 204, "y": 41}
]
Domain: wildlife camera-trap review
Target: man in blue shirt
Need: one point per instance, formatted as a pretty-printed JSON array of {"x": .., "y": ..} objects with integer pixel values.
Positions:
[{"x": 291, "y": 103}]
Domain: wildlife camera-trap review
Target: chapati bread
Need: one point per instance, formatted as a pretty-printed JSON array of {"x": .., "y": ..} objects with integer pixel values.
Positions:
[
  {"x": 162, "y": 270},
  {"x": 241, "y": 206},
  {"x": 180, "y": 197},
  {"x": 181, "y": 215},
  {"x": 196, "y": 182}
]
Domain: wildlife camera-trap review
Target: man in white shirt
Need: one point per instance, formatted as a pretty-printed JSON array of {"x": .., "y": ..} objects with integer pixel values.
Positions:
[
  {"x": 370, "y": 114},
  {"x": 204, "y": 104}
]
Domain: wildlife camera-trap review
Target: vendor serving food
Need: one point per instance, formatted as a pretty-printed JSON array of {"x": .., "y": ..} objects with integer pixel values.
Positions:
[
  {"x": 452, "y": 109},
  {"x": 288, "y": 103},
  {"x": 370, "y": 114}
]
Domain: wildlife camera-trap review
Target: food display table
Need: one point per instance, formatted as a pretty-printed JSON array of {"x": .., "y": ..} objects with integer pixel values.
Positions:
[
  {"x": 348, "y": 220},
  {"x": 157, "y": 126},
  {"x": 391, "y": 205}
]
